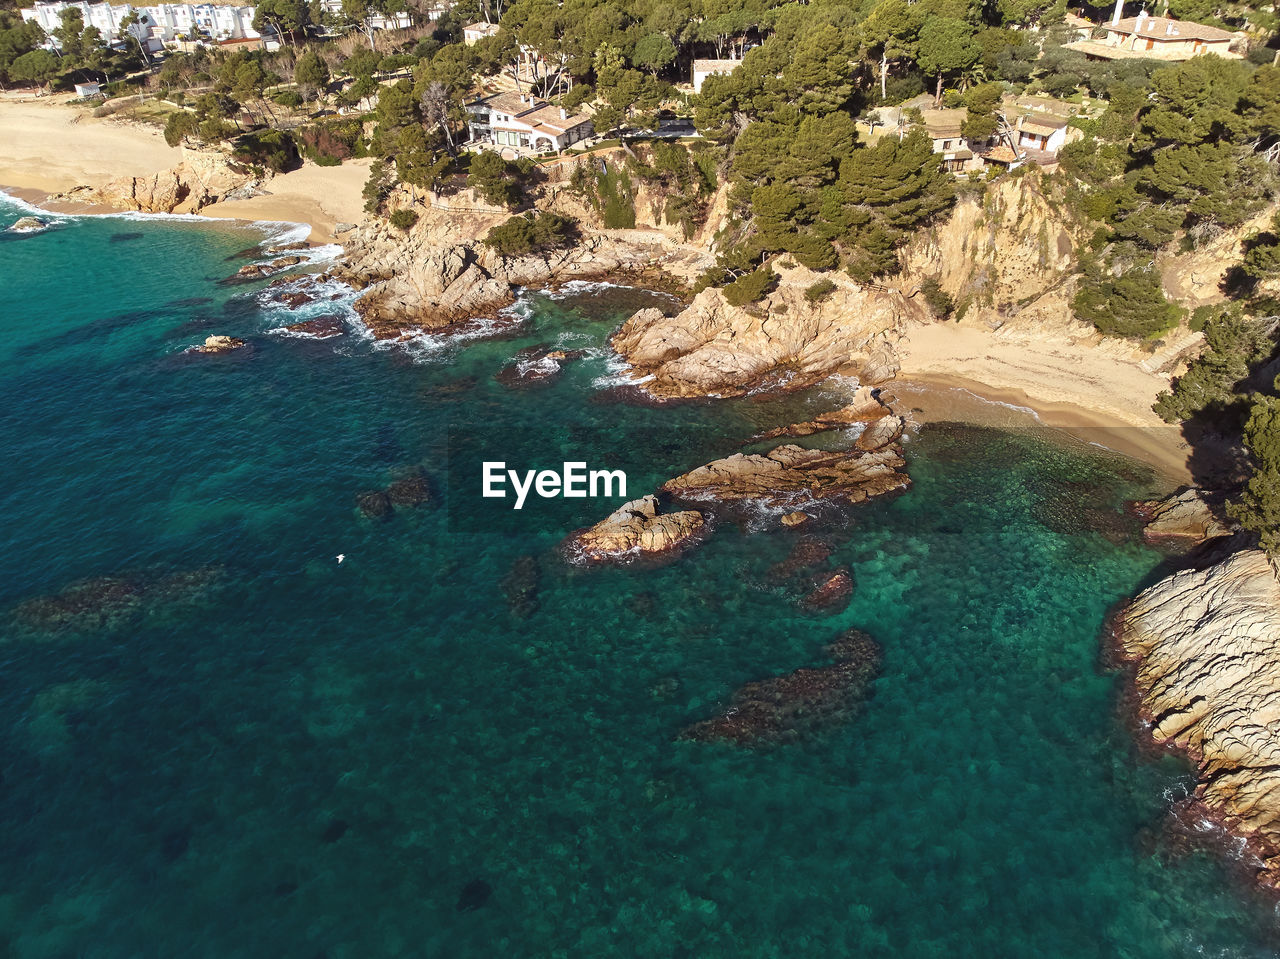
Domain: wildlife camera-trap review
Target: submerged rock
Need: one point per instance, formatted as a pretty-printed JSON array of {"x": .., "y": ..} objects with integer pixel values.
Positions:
[
  {"x": 832, "y": 594},
  {"x": 536, "y": 364},
  {"x": 786, "y": 708},
  {"x": 110, "y": 602},
  {"x": 634, "y": 530},
  {"x": 409, "y": 490},
  {"x": 320, "y": 327},
  {"x": 474, "y": 895},
  {"x": 1207, "y": 647},
  {"x": 412, "y": 489},
  {"x": 521, "y": 586},
  {"x": 808, "y": 554},
  {"x": 374, "y": 504}
]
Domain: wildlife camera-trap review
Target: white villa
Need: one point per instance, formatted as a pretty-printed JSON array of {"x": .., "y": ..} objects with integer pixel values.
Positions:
[
  {"x": 166, "y": 23},
  {"x": 525, "y": 124},
  {"x": 1044, "y": 133},
  {"x": 705, "y": 68},
  {"x": 380, "y": 21},
  {"x": 475, "y": 32}
]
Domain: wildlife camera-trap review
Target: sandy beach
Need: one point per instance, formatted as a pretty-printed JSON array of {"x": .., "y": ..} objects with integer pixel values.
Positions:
[
  {"x": 48, "y": 147},
  {"x": 1011, "y": 379}
]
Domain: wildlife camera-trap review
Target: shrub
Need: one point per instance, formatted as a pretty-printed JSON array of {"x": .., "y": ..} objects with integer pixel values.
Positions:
[
  {"x": 272, "y": 149},
  {"x": 404, "y": 219},
  {"x": 493, "y": 179},
  {"x": 820, "y": 291},
  {"x": 939, "y": 300},
  {"x": 328, "y": 144},
  {"x": 1131, "y": 304},
  {"x": 531, "y": 233},
  {"x": 751, "y": 288}
]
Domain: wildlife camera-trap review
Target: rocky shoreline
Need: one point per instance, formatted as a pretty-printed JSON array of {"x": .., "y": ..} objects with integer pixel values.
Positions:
[{"x": 1204, "y": 647}]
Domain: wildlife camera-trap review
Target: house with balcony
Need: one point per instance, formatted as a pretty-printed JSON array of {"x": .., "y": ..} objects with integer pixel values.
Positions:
[
  {"x": 524, "y": 124},
  {"x": 1145, "y": 37}
]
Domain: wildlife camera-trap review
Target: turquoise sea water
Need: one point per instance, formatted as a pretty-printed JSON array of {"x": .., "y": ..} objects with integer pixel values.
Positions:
[{"x": 236, "y": 746}]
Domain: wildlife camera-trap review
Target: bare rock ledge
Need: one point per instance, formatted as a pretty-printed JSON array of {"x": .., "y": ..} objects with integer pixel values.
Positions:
[
  {"x": 634, "y": 530},
  {"x": 1207, "y": 647}
]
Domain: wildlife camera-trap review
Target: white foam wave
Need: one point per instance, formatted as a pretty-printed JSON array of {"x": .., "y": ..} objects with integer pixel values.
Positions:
[
  {"x": 277, "y": 231},
  {"x": 426, "y": 347},
  {"x": 618, "y": 372},
  {"x": 989, "y": 401}
]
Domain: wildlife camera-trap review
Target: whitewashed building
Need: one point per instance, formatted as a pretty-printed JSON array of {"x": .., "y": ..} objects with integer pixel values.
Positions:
[
  {"x": 380, "y": 21},
  {"x": 706, "y": 68},
  {"x": 165, "y": 23},
  {"x": 475, "y": 32},
  {"x": 525, "y": 124}
]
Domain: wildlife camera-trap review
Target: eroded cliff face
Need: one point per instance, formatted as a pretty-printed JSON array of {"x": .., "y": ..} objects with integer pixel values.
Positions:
[
  {"x": 784, "y": 342},
  {"x": 198, "y": 181},
  {"x": 1005, "y": 251},
  {"x": 1207, "y": 648},
  {"x": 439, "y": 274}
]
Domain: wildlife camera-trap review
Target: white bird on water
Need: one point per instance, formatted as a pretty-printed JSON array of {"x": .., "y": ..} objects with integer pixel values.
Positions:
[{"x": 340, "y": 557}]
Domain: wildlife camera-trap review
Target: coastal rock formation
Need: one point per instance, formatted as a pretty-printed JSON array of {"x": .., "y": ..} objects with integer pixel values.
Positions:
[
  {"x": 28, "y": 224},
  {"x": 1207, "y": 647},
  {"x": 784, "y": 342},
  {"x": 868, "y": 405},
  {"x": 1190, "y": 516},
  {"x": 320, "y": 327},
  {"x": 255, "y": 271},
  {"x": 441, "y": 275},
  {"x": 789, "y": 475},
  {"x": 199, "y": 180},
  {"x": 785, "y": 708},
  {"x": 832, "y": 594},
  {"x": 635, "y": 529},
  {"x": 536, "y": 364},
  {"x": 220, "y": 344}
]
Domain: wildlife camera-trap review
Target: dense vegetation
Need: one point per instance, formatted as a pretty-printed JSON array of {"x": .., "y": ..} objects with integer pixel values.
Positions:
[{"x": 790, "y": 142}]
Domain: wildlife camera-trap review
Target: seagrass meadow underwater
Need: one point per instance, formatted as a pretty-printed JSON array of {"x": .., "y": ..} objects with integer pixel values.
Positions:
[{"x": 216, "y": 740}]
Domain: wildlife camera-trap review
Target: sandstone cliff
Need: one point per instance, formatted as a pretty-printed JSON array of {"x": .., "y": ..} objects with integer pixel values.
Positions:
[
  {"x": 1002, "y": 252},
  {"x": 1207, "y": 647},
  {"x": 198, "y": 181},
  {"x": 784, "y": 342}
]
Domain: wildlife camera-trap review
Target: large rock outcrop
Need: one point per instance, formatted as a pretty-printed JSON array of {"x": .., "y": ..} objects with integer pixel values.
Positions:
[
  {"x": 790, "y": 476},
  {"x": 198, "y": 181},
  {"x": 1188, "y": 516},
  {"x": 1207, "y": 647},
  {"x": 636, "y": 529},
  {"x": 440, "y": 275},
  {"x": 784, "y": 342}
]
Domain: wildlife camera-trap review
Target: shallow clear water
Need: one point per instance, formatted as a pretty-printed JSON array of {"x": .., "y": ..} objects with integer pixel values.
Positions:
[{"x": 276, "y": 755}]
